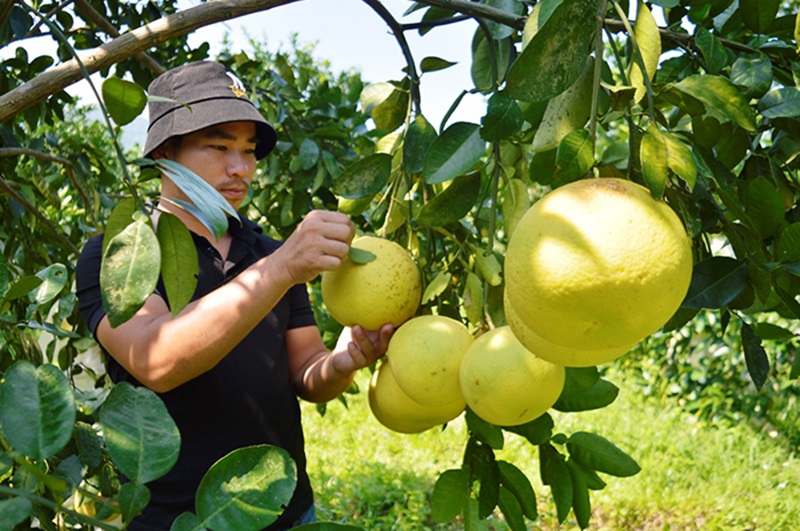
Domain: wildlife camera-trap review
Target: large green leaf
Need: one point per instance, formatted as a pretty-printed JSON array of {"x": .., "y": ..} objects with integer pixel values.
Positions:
[
  {"x": 653, "y": 154},
  {"x": 721, "y": 99},
  {"x": 716, "y": 281},
  {"x": 129, "y": 272},
  {"x": 451, "y": 155},
  {"x": 365, "y": 177},
  {"x": 763, "y": 206},
  {"x": 453, "y": 203},
  {"x": 554, "y": 472},
  {"x": 599, "y": 395},
  {"x": 780, "y": 103},
  {"x": 537, "y": 431},
  {"x": 484, "y": 68},
  {"x": 246, "y": 489},
  {"x": 753, "y": 74},
  {"x": 123, "y": 99},
  {"x": 121, "y": 216},
  {"x": 574, "y": 157},
  {"x": 417, "y": 140},
  {"x": 501, "y": 31},
  {"x": 133, "y": 498},
  {"x": 206, "y": 198},
  {"x": 581, "y": 504},
  {"x": 556, "y": 55},
  {"x": 386, "y": 103},
  {"x": 759, "y": 15},
  {"x": 449, "y": 494},
  {"x": 141, "y": 437},
  {"x": 715, "y": 57},
  {"x": 516, "y": 202},
  {"x": 789, "y": 243},
  {"x": 179, "y": 265},
  {"x": 14, "y": 511},
  {"x": 597, "y": 453},
  {"x": 3, "y": 274},
  {"x": 648, "y": 42},
  {"x": 515, "y": 480},
  {"x": 37, "y": 409},
  {"x": 308, "y": 153},
  {"x": 680, "y": 159},
  {"x": 511, "y": 509}
]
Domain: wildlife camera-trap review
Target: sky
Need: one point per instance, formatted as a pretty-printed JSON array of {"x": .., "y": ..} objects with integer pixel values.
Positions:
[{"x": 349, "y": 35}]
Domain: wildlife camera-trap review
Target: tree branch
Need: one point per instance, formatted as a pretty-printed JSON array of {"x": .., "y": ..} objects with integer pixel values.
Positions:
[
  {"x": 59, "y": 77},
  {"x": 481, "y": 11}
]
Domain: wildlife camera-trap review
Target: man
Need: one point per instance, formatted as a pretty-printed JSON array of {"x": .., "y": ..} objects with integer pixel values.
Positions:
[{"x": 229, "y": 367}]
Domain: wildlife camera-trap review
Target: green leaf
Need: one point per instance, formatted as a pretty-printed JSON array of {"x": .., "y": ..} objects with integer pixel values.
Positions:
[
  {"x": 437, "y": 286},
  {"x": 518, "y": 484},
  {"x": 179, "y": 265},
  {"x": 715, "y": 57},
  {"x": 566, "y": 112},
  {"x": 204, "y": 196},
  {"x": 483, "y": 467},
  {"x": 482, "y": 70},
  {"x": 452, "y": 203},
  {"x": 449, "y": 495},
  {"x": 309, "y": 153},
  {"x": 772, "y": 332},
  {"x": 503, "y": 118},
  {"x": 452, "y": 154},
  {"x": 512, "y": 511},
  {"x": 386, "y": 103},
  {"x": 581, "y": 504},
  {"x": 124, "y": 100},
  {"x": 418, "y": 139},
  {"x": 365, "y": 177},
  {"x": 433, "y": 64},
  {"x": 556, "y": 55},
  {"x": 716, "y": 281},
  {"x": 554, "y": 472},
  {"x": 129, "y": 272},
  {"x": 780, "y": 103},
  {"x": 141, "y": 437},
  {"x": 599, "y": 395},
  {"x": 574, "y": 157},
  {"x": 763, "y": 206},
  {"x": 22, "y": 287},
  {"x": 538, "y": 431},
  {"x": 516, "y": 202},
  {"x": 37, "y": 409},
  {"x": 88, "y": 443},
  {"x": 759, "y": 15},
  {"x": 187, "y": 522},
  {"x": 133, "y": 498},
  {"x": 484, "y": 431},
  {"x": 120, "y": 217},
  {"x": 502, "y": 31},
  {"x": 653, "y": 154},
  {"x": 592, "y": 480},
  {"x": 753, "y": 74},
  {"x": 597, "y": 453},
  {"x": 54, "y": 278},
  {"x": 360, "y": 256},
  {"x": 14, "y": 511},
  {"x": 788, "y": 248},
  {"x": 3, "y": 275},
  {"x": 755, "y": 356},
  {"x": 246, "y": 489},
  {"x": 721, "y": 99}
]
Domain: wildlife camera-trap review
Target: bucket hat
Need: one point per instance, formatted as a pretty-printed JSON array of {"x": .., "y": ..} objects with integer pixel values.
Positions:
[{"x": 203, "y": 94}]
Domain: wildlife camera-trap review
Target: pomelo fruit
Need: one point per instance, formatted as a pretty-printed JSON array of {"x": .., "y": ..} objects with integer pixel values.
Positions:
[
  {"x": 597, "y": 264},
  {"x": 396, "y": 411},
  {"x": 504, "y": 383},
  {"x": 425, "y": 354},
  {"x": 387, "y": 289}
]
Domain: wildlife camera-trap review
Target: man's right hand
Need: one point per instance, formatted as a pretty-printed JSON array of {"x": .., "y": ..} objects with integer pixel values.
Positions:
[{"x": 319, "y": 243}]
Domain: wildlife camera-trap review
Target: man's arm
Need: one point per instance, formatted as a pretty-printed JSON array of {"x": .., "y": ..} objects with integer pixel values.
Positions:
[
  {"x": 163, "y": 352},
  {"x": 319, "y": 375}
]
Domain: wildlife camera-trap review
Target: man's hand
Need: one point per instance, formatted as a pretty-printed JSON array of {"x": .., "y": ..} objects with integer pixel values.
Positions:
[
  {"x": 358, "y": 348},
  {"x": 320, "y": 243}
]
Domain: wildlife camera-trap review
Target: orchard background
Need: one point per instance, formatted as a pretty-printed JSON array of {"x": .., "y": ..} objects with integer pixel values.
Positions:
[{"x": 697, "y": 100}]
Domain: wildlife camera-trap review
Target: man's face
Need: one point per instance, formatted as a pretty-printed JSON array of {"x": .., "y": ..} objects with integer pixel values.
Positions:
[{"x": 222, "y": 155}]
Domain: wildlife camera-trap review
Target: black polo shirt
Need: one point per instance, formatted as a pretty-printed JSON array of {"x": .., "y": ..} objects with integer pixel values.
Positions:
[{"x": 246, "y": 399}]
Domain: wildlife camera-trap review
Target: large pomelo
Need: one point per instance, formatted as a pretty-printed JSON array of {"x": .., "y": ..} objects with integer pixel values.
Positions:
[
  {"x": 598, "y": 264},
  {"x": 425, "y": 355},
  {"x": 548, "y": 351},
  {"x": 385, "y": 290},
  {"x": 504, "y": 383},
  {"x": 396, "y": 411}
]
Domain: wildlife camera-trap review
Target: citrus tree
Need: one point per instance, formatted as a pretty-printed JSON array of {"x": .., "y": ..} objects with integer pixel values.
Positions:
[{"x": 696, "y": 100}]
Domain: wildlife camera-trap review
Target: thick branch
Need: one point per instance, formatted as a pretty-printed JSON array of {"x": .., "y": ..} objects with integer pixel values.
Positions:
[
  {"x": 480, "y": 10},
  {"x": 138, "y": 40}
]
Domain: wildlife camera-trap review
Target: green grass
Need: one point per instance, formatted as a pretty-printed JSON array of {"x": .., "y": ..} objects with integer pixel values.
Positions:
[{"x": 694, "y": 476}]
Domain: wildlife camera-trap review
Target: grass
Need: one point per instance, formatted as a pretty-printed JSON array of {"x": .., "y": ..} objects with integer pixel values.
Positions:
[{"x": 694, "y": 476}]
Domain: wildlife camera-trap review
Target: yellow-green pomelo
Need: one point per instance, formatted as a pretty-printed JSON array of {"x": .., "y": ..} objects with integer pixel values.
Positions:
[
  {"x": 548, "y": 351},
  {"x": 504, "y": 383},
  {"x": 385, "y": 290},
  {"x": 395, "y": 410},
  {"x": 425, "y": 354},
  {"x": 598, "y": 264}
]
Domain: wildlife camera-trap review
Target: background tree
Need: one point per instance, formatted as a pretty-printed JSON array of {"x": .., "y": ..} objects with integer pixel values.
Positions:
[{"x": 702, "y": 108}]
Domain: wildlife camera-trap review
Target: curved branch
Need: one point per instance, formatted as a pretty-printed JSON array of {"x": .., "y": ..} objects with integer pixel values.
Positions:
[
  {"x": 384, "y": 13},
  {"x": 138, "y": 40},
  {"x": 480, "y": 10}
]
